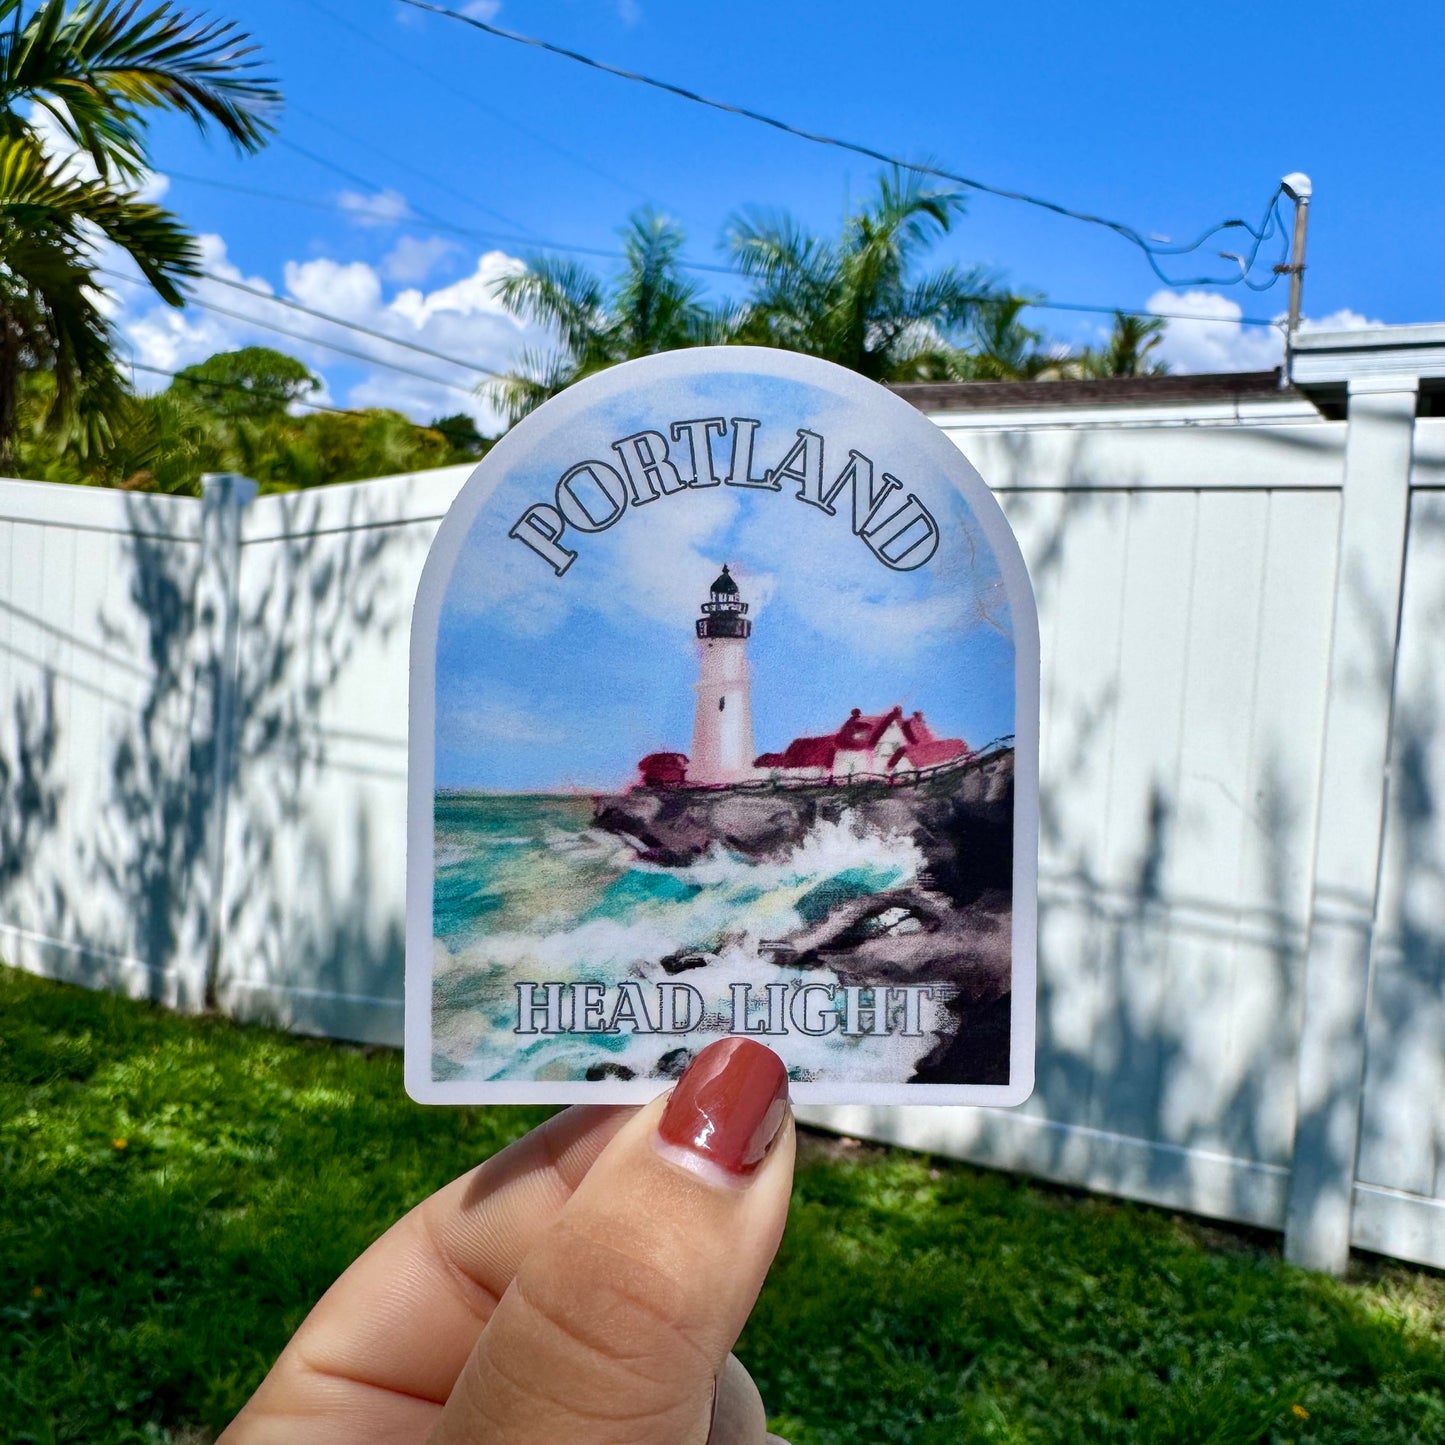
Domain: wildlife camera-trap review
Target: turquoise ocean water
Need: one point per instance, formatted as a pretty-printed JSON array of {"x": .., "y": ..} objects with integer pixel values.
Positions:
[{"x": 526, "y": 889}]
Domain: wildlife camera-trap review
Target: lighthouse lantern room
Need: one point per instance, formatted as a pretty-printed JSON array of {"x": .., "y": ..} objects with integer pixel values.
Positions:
[{"x": 722, "y": 732}]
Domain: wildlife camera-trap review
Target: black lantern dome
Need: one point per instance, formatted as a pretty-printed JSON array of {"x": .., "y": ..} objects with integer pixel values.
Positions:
[{"x": 724, "y": 614}]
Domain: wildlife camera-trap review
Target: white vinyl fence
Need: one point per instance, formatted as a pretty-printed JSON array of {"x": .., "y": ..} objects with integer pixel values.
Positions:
[{"x": 1242, "y": 862}]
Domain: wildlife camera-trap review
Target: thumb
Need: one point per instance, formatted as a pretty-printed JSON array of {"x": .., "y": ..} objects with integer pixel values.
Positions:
[{"x": 620, "y": 1318}]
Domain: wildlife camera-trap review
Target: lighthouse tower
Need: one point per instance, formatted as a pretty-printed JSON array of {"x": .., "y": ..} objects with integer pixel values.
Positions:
[{"x": 722, "y": 730}]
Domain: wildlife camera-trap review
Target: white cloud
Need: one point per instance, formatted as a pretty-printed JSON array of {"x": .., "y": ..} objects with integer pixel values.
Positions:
[
  {"x": 629, "y": 12},
  {"x": 1218, "y": 341},
  {"x": 165, "y": 337},
  {"x": 462, "y": 319},
  {"x": 349, "y": 289},
  {"x": 1343, "y": 320},
  {"x": 380, "y": 208},
  {"x": 472, "y": 295},
  {"x": 482, "y": 9},
  {"x": 414, "y": 258}
]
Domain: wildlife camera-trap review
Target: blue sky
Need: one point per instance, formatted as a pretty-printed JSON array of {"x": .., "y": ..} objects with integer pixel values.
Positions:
[
  {"x": 551, "y": 683},
  {"x": 1167, "y": 117}
]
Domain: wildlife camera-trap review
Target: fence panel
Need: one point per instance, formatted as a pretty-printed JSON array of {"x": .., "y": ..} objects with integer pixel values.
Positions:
[
  {"x": 99, "y": 820},
  {"x": 1399, "y": 1203},
  {"x": 1185, "y": 619},
  {"x": 1186, "y": 576},
  {"x": 316, "y": 830}
]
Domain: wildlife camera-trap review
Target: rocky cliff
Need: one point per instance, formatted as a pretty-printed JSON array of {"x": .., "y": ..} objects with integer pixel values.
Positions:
[{"x": 953, "y": 921}]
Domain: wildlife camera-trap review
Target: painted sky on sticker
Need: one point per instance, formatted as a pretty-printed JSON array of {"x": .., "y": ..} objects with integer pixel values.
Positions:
[{"x": 555, "y": 684}]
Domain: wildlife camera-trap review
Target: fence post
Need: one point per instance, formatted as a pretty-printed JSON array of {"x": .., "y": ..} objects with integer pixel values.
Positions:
[
  {"x": 1374, "y": 517},
  {"x": 224, "y": 496}
]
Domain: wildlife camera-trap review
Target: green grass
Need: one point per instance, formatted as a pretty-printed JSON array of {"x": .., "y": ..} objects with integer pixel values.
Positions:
[{"x": 174, "y": 1193}]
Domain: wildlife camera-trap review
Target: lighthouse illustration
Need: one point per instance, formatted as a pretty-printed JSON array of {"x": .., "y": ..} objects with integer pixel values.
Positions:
[{"x": 722, "y": 730}]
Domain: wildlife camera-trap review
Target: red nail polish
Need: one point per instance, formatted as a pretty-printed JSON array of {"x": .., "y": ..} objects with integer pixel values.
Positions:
[{"x": 729, "y": 1105}]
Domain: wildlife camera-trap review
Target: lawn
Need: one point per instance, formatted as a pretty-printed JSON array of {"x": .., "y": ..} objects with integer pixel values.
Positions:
[{"x": 174, "y": 1193}]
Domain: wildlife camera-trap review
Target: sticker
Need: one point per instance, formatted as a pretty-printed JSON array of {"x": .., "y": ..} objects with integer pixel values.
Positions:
[{"x": 724, "y": 720}]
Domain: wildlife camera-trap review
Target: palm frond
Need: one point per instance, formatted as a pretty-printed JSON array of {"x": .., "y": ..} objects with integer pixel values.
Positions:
[
  {"x": 562, "y": 295},
  {"x": 98, "y": 68},
  {"x": 37, "y": 193},
  {"x": 535, "y": 378}
]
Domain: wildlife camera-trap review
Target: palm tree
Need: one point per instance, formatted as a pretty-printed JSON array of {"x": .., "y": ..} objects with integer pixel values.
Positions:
[
  {"x": 98, "y": 70},
  {"x": 50, "y": 318},
  {"x": 652, "y": 307},
  {"x": 857, "y": 300},
  {"x": 1129, "y": 349},
  {"x": 1001, "y": 348}
]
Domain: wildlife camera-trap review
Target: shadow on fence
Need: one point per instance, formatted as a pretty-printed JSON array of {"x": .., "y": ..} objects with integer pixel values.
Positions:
[
  {"x": 1130, "y": 960},
  {"x": 30, "y": 791},
  {"x": 132, "y": 907}
]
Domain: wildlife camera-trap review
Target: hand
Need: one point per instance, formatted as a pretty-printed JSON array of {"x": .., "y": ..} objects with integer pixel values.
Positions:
[{"x": 583, "y": 1286}]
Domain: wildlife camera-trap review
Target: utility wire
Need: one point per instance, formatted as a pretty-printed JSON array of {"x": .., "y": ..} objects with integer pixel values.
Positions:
[
  {"x": 492, "y": 237},
  {"x": 486, "y": 237},
  {"x": 332, "y": 346},
  {"x": 356, "y": 326},
  {"x": 1162, "y": 315},
  {"x": 367, "y": 357},
  {"x": 1151, "y": 250},
  {"x": 444, "y": 186},
  {"x": 250, "y": 391},
  {"x": 346, "y": 173},
  {"x": 439, "y": 80}
]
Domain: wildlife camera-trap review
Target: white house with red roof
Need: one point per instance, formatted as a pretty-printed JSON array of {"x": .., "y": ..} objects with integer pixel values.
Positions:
[
  {"x": 883, "y": 745},
  {"x": 887, "y": 745}
]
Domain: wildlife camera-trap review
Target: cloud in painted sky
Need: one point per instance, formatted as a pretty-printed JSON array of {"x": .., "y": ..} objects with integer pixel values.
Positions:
[
  {"x": 607, "y": 650},
  {"x": 468, "y": 722}
]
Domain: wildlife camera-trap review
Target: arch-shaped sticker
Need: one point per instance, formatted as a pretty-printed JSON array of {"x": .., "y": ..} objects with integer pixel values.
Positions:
[{"x": 724, "y": 719}]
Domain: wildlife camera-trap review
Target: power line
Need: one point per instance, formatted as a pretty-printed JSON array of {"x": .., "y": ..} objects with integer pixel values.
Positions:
[
  {"x": 490, "y": 237},
  {"x": 470, "y": 233},
  {"x": 444, "y": 84},
  {"x": 250, "y": 391},
  {"x": 356, "y": 179},
  {"x": 356, "y": 326},
  {"x": 1151, "y": 250},
  {"x": 444, "y": 186},
  {"x": 303, "y": 336},
  {"x": 332, "y": 346},
  {"x": 1162, "y": 315}
]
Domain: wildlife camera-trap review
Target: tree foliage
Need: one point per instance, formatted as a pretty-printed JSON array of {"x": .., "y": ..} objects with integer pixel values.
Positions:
[
  {"x": 99, "y": 70},
  {"x": 651, "y": 306},
  {"x": 235, "y": 412},
  {"x": 861, "y": 300},
  {"x": 252, "y": 382},
  {"x": 1130, "y": 350}
]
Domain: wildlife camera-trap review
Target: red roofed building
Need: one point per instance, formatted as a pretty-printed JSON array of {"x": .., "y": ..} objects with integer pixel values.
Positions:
[
  {"x": 931, "y": 753},
  {"x": 884, "y": 745},
  {"x": 802, "y": 758},
  {"x": 664, "y": 770}
]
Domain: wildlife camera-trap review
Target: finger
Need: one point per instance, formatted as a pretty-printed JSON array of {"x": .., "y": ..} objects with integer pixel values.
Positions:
[
  {"x": 620, "y": 1319},
  {"x": 738, "y": 1417},
  {"x": 381, "y": 1351}
]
